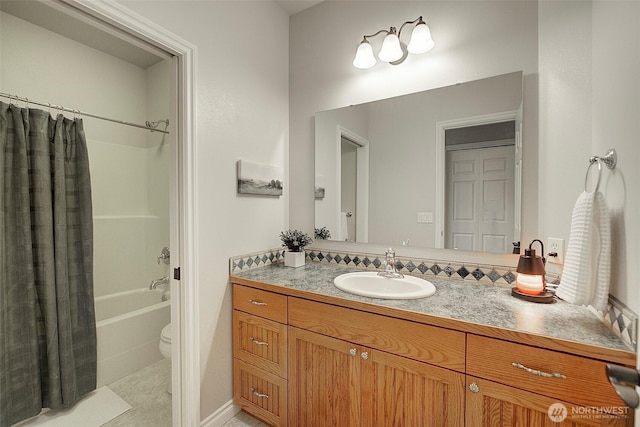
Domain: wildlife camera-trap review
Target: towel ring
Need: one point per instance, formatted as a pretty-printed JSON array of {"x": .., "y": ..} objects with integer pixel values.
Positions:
[
  {"x": 586, "y": 177},
  {"x": 610, "y": 159}
]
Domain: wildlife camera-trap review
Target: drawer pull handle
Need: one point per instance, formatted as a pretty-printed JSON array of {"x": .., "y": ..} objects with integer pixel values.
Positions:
[
  {"x": 256, "y": 342},
  {"x": 254, "y": 302},
  {"x": 538, "y": 372},
  {"x": 257, "y": 393}
]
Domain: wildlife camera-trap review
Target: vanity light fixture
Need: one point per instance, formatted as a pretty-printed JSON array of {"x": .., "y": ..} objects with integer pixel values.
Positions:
[
  {"x": 393, "y": 50},
  {"x": 530, "y": 283}
]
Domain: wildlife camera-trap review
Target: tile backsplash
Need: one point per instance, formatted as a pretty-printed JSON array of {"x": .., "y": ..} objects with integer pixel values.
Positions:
[{"x": 617, "y": 317}]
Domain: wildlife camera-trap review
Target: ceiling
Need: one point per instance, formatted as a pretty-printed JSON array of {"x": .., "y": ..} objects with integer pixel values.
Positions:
[
  {"x": 74, "y": 24},
  {"x": 294, "y": 6},
  {"x": 79, "y": 26}
]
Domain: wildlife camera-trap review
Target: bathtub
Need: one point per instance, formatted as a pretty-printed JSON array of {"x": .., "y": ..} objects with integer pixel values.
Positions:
[{"x": 128, "y": 326}]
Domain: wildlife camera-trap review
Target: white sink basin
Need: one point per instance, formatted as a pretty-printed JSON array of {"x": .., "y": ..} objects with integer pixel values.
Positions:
[{"x": 369, "y": 284}]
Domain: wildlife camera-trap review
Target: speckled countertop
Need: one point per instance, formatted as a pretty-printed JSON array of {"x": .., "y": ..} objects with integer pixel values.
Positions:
[{"x": 468, "y": 303}]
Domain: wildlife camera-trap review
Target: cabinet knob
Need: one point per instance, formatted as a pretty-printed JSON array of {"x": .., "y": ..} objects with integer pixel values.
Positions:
[
  {"x": 353, "y": 351},
  {"x": 474, "y": 388},
  {"x": 364, "y": 355}
]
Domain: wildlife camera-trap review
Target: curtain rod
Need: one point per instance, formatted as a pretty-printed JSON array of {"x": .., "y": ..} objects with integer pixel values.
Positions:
[{"x": 150, "y": 126}]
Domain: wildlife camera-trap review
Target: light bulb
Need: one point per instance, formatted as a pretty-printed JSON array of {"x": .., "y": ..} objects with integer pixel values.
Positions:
[
  {"x": 364, "y": 56},
  {"x": 531, "y": 284},
  {"x": 421, "y": 40},
  {"x": 391, "y": 50}
]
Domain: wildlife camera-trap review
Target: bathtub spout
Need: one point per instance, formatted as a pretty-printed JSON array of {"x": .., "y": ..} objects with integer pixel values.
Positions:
[{"x": 155, "y": 283}]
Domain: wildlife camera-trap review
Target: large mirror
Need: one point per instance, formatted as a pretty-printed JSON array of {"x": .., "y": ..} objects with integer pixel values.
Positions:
[{"x": 438, "y": 169}]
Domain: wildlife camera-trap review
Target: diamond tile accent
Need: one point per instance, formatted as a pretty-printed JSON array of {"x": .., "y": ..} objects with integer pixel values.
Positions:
[
  {"x": 449, "y": 271},
  {"x": 377, "y": 263},
  {"x": 366, "y": 261},
  {"x": 509, "y": 277},
  {"x": 410, "y": 266},
  {"x": 477, "y": 273},
  {"x": 356, "y": 260},
  {"x": 436, "y": 269},
  {"x": 463, "y": 272},
  {"x": 347, "y": 259},
  {"x": 423, "y": 268},
  {"x": 494, "y": 275}
]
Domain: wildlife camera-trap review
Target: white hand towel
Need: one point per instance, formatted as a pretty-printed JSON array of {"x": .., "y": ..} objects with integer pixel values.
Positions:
[{"x": 587, "y": 267}]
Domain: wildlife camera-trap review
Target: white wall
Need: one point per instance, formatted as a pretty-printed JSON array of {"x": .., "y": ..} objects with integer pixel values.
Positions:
[
  {"x": 242, "y": 113},
  {"x": 590, "y": 102},
  {"x": 43, "y": 66}
]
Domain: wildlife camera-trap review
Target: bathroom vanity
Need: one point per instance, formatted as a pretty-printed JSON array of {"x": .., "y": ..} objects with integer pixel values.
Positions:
[{"x": 469, "y": 355}]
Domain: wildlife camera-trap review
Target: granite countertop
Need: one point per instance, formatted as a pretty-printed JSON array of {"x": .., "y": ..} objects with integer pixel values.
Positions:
[{"x": 488, "y": 305}]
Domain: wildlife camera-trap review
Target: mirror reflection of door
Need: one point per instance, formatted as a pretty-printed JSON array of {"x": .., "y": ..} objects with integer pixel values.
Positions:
[
  {"x": 349, "y": 190},
  {"x": 480, "y": 193}
]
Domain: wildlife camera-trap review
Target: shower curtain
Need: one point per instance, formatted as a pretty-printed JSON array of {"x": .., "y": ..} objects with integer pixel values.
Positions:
[{"x": 47, "y": 320}]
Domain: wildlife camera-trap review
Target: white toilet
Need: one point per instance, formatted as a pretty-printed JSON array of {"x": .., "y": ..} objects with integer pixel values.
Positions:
[{"x": 165, "y": 347}]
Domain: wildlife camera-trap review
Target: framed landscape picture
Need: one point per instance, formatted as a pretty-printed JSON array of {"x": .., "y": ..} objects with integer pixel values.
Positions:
[{"x": 258, "y": 179}]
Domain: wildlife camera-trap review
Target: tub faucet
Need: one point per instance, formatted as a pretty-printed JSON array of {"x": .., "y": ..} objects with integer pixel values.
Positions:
[
  {"x": 155, "y": 283},
  {"x": 390, "y": 265}
]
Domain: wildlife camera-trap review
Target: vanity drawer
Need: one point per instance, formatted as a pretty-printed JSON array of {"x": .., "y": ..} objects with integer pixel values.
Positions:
[
  {"x": 261, "y": 303},
  {"x": 260, "y": 393},
  {"x": 585, "y": 381},
  {"x": 434, "y": 345},
  {"x": 260, "y": 342}
]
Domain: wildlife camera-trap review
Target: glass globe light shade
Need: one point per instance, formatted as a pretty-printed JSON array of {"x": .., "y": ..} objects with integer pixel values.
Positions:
[
  {"x": 391, "y": 50},
  {"x": 364, "y": 56},
  {"x": 421, "y": 40}
]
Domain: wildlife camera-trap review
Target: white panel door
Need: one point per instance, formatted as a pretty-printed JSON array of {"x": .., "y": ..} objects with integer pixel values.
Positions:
[{"x": 480, "y": 199}]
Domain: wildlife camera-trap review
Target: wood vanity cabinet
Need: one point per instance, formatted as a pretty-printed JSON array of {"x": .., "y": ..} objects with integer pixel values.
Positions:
[
  {"x": 352, "y": 368},
  {"x": 336, "y": 366},
  {"x": 260, "y": 353},
  {"x": 515, "y": 384},
  {"x": 346, "y": 384}
]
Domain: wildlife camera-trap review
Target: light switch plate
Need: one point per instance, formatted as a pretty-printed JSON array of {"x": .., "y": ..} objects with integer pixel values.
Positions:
[{"x": 425, "y": 217}]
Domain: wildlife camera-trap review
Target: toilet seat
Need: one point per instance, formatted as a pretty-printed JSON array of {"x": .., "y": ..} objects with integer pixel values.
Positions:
[{"x": 165, "y": 335}]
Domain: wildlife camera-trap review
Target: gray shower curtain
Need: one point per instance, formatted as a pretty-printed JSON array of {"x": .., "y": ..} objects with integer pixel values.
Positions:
[{"x": 47, "y": 320}]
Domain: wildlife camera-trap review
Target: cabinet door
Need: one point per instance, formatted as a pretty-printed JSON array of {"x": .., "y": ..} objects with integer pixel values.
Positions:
[
  {"x": 491, "y": 404},
  {"x": 401, "y": 392},
  {"x": 324, "y": 387}
]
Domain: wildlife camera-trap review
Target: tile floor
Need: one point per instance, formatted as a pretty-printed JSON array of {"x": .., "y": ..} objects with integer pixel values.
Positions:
[{"x": 146, "y": 392}]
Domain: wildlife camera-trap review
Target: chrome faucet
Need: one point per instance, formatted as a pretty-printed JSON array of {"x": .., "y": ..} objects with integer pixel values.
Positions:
[
  {"x": 390, "y": 265},
  {"x": 155, "y": 283}
]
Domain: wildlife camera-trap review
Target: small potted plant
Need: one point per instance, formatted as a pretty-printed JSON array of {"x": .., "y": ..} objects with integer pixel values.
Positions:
[
  {"x": 294, "y": 241},
  {"x": 322, "y": 233}
]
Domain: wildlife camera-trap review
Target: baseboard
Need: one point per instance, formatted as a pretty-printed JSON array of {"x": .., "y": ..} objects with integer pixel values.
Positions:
[{"x": 221, "y": 416}]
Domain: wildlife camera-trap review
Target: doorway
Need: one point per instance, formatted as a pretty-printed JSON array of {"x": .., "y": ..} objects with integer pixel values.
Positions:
[
  {"x": 480, "y": 199},
  {"x": 116, "y": 22},
  {"x": 352, "y": 173},
  {"x": 475, "y": 133}
]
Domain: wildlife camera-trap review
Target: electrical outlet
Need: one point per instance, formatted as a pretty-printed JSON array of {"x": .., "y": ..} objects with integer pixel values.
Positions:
[{"x": 557, "y": 246}]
